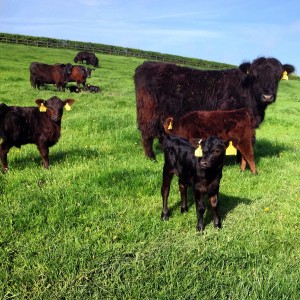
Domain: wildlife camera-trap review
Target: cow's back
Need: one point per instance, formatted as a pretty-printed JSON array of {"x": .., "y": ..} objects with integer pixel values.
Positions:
[
  {"x": 41, "y": 72},
  {"x": 17, "y": 126},
  {"x": 225, "y": 124},
  {"x": 191, "y": 89}
]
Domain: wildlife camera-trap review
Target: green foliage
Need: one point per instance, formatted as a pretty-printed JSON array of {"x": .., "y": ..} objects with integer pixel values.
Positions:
[{"x": 90, "y": 228}]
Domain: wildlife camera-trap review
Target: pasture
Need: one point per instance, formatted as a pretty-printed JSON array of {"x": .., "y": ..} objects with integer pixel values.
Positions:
[{"x": 90, "y": 227}]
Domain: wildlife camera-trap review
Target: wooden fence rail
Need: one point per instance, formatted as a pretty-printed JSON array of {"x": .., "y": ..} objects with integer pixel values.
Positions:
[{"x": 112, "y": 51}]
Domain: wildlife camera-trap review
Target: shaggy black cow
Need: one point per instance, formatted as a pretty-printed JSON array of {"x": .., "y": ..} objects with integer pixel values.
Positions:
[
  {"x": 89, "y": 57},
  {"x": 57, "y": 74},
  {"x": 203, "y": 174},
  {"x": 31, "y": 125},
  {"x": 164, "y": 89}
]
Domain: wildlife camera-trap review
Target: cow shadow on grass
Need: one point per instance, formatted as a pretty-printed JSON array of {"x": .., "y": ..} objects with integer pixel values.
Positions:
[
  {"x": 58, "y": 157},
  {"x": 226, "y": 205},
  {"x": 266, "y": 148}
]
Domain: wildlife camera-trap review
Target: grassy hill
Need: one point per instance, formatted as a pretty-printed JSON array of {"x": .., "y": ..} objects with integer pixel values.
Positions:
[{"x": 90, "y": 228}]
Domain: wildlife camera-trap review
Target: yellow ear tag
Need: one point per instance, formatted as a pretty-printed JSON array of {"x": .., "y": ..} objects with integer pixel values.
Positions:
[
  {"x": 43, "y": 108},
  {"x": 198, "y": 151},
  {"x": 170, "y": 127},
  {"x": 230, "y": 149},
  {"x": 68, "y": 107},
  {"x": 285, "y": 76}
]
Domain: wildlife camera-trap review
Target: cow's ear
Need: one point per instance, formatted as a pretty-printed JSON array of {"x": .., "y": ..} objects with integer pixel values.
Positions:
[
  {"x": 288, "y": 68},
  {"x": 68, "y": 103},
  {"x": 41, "y": 104},
  {"x": 245, "y": 67}
]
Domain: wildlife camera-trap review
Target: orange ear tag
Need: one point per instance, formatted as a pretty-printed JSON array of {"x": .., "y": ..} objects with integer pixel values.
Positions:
[
  {"x": 231, "y": 150},
  {"x": 170, "y": 127},
  {"x": 198, "y": 151},
  {"x": 68, "y": 107},
  {"x": 43, "y": 108}
]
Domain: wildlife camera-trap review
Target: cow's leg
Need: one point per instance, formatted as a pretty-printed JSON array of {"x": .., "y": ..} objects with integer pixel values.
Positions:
[
  {"x": 200, "y": 209},
  {"x": 251, "y": 161},
  {"x": 4, "y": 149},
  {"x": 148, "y": 145},
  {"x": 243, "y": 163},
  {"x": 165, "y": 190},
  {"x": 214, "y": 209},
  {"x": 183, "y": 196},
  {"x": 247, "y": 156},
  {"x": 44, "y": 151}
]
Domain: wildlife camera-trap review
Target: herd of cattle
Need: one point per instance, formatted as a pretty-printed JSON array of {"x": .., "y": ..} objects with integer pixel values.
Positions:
[
  {"x": 188, "y": 108},
  {"x": 61, "y": 74},
  {"x": 195, "y": 114}
]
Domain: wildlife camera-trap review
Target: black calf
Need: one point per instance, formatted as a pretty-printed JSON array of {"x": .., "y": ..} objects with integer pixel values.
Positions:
[
  {"x": 92, "y": 88},
  {"x": 202, "y": 173}
]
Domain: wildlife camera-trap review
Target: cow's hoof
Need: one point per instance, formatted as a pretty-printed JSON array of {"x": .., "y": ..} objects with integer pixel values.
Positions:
[
  {"x": 164, "y": 217},
  {"x": 183, "y": 210}
]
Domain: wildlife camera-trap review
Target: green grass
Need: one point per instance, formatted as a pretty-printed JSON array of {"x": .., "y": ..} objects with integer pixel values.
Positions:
[{"x": 90, "y": 228}]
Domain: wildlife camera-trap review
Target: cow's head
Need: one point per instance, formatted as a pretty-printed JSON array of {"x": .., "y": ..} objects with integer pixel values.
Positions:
[
  {"x": 53, "y": 107},
  {"x": 263, "y": 76},
  {"x": 68, "y": 69},
  {"x": 89, "y": 72},
  {"x": 213, "y": 152}
]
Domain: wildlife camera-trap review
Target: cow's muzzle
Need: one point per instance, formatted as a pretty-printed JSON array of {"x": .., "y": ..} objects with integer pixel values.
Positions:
[
  {"x": 268, "y": 98},
  {"x": 55, "y": 118}
]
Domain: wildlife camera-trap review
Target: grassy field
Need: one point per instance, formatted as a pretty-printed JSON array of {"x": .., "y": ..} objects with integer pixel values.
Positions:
[{"x": 90, "y": 228}]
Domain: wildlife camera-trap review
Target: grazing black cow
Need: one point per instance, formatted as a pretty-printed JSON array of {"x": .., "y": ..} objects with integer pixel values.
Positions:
[
  {"x": 164, "y": 89},
  {"x": 79, "y": 74},
  {"x": 92, "y": 88},
  {"x": 203, "y": 174},
  {"x": 89, "y": 57},
  {"x": 31, "y": 125},
  {"x": 57, "y": 74}
]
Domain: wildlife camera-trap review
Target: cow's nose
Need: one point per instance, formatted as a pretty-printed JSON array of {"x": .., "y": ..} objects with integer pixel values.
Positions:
[
  {"x": 268, "y": 98},
  {"x": 55, "y": 118}
]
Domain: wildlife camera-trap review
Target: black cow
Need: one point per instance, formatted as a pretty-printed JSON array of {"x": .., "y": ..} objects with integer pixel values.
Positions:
[
  {"x": 31, "y": 125},
  {"x": 57, "y": 74},
  {"x": 203, "y": 174},
  {"x": 89, "y": 57},
  {"x": 164, "y": 89}
]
